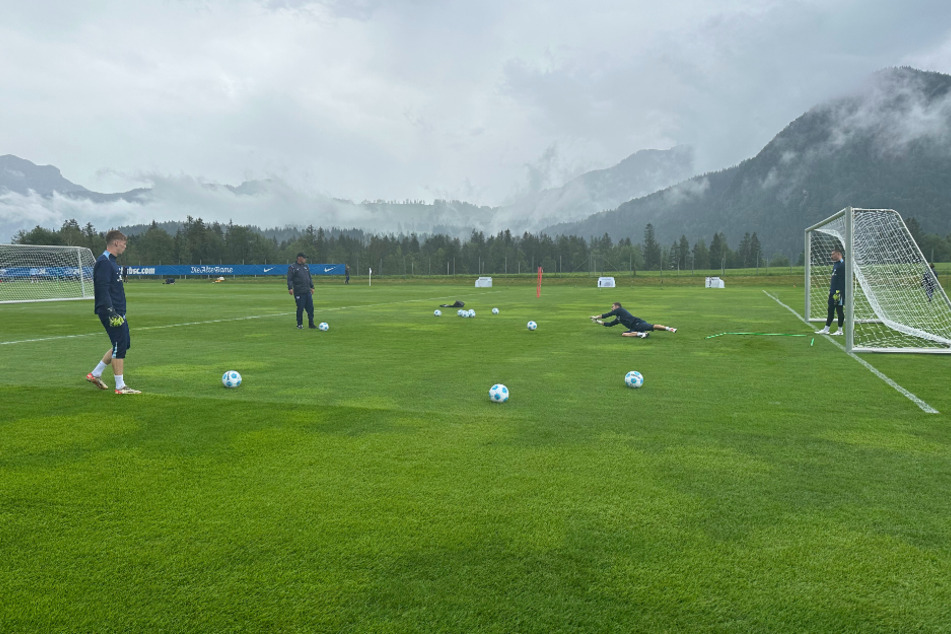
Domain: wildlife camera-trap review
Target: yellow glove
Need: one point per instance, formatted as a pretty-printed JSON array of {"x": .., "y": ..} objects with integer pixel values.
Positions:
[{"x": 115, "y": 319}]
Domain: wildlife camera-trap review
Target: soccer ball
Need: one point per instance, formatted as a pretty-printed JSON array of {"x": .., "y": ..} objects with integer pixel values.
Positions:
[
  {"x": 324, "y": 326},
  {"x": 231, "y": 379},
  {"x": 471, "y": 312},
  {"x": 495, "y": 311},
  {"x": 532, "y": 325},
  {"x": 462, "y": 313},
  {"x": 498, "y": 393},
  {"x": 437, "y": 313},
  {"x": 634, "y": 379}
]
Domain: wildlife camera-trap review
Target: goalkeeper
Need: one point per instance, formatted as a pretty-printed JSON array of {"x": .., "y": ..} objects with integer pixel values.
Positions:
[
  {"x": 636, "y": 327},
  {"x": 836, "y": 294},
  {"x": 110, "y": 306}
]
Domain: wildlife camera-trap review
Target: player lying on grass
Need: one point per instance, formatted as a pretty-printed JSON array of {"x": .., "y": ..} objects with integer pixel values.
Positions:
[{"x": 636, "y": 327}]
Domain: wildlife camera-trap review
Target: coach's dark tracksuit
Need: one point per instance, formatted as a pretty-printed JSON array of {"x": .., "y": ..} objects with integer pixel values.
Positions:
[
  {"x": 629, "y": 321},
  {"x": 299, "y": 281}
]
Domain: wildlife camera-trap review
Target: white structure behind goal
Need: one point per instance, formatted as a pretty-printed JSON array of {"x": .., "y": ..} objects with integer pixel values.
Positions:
[
  {"x": 36, "y": 273},
  {"x": 893, "y": 303}
]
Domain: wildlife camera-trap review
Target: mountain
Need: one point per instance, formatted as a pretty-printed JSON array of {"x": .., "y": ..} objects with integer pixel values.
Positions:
[
  {"x": 20, "y": 176},
  {"x": 639, "y": 174},
  {"x": 885, "y": 146},
  {"x": 255, "y": 202}
]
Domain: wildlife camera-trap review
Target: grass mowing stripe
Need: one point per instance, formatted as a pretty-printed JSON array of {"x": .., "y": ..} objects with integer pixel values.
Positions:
[
  {"x": 868, "y": 366},
  {"x": 218, "y": 321},
  {"x": 188, "y": 323}
]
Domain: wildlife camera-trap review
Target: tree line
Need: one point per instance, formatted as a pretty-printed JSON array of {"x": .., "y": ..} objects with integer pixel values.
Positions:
[{"x": 198, "y": 242}]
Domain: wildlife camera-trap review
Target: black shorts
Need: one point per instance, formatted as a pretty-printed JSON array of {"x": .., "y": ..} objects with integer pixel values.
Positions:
[
  {"x": 119, "y": 336},
  {"x": 641, "y": 326}
]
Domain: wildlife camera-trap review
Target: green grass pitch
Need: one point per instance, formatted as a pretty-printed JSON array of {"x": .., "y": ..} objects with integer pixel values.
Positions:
[{"x": 360, "y": 480}]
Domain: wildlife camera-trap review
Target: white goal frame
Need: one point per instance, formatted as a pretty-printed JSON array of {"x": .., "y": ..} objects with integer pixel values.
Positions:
[
  {"x": 887, "y": 304},
  {"x": 45, "y": 273}
]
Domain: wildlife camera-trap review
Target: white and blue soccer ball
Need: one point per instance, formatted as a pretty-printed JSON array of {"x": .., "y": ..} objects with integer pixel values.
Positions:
[
  {"x": 634, "y": 379},
  {"x": 495, "y": 311},
  {"x": 471, "y": 312},
  {"x": 462, "y": 313},
  {"x": 231, "y": 379},
  {"x": 498, "y": 393},
  {"x": 437, "y": 313},
  {"x": 532, "y": 325},
  {"x": 323, "y": 326}
]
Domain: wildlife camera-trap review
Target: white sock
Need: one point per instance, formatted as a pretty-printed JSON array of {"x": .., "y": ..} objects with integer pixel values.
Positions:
[
  {"x": 119, "y": 382},
  {"x": 99, "y": 369}
]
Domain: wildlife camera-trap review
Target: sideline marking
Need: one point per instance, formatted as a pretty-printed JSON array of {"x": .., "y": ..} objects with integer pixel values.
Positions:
[
  {"x": 219, "y": 321},
  {"x": 868, "y": 366}
]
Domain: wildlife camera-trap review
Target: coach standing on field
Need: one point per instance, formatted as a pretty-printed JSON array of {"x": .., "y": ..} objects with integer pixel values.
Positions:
[
  {"x": 301, "y": 286},
  {"x": 110, "y": 306}
]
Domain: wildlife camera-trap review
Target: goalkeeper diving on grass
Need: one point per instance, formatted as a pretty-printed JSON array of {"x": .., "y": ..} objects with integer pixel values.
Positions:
[
  {"x": 636, "y": 327},
  {"x": 110, "y": 307}
]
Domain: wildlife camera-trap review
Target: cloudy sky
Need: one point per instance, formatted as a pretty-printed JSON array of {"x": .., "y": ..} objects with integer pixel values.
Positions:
[{"x": 424, "y": 99}]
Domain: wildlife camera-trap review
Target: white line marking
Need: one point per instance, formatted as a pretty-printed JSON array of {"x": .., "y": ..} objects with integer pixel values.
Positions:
[
  {"x": 868, "y": 366},
  {"x": 217, "y": 321}
]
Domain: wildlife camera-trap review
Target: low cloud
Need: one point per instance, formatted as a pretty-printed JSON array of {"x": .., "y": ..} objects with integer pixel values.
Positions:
[
  {"x": 897, "y": 109},
  {"x": 686, "y": 190},
  {"x": 264, "y": 203}
]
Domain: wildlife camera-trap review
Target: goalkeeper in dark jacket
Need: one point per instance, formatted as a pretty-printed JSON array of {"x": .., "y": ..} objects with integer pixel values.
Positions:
[
  {"x": 836, "y": 294},
  {"x": 301, "y": 286},
  {"x": 636, "y": 327},
  {"x": 110, "y": 306}
]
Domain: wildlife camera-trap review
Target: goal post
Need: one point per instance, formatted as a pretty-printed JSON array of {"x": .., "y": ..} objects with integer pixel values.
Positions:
[
  {"x": 45, "y": 273},
  {"x": 893, "y": 301}
]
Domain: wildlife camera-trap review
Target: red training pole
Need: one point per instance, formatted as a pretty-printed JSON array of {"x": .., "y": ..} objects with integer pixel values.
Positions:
[{"x": 538, "y": 289}]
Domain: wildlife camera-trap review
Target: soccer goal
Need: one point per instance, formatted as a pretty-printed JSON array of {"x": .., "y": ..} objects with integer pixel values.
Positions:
[
  {"x": 39, "y": 273},
  {"x": 893, "y": 302}
]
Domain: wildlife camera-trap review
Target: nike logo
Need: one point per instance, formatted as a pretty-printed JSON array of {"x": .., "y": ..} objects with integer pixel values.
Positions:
[
  {"x": 326, "y": 270},
  {"x": 270, "y": 269}
]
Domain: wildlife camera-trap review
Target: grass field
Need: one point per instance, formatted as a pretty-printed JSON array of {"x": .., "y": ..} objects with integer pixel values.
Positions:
[{"x": 361, "y": 481}]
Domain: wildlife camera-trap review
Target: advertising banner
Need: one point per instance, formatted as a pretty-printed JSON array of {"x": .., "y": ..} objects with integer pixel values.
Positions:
[{"x": 173, "y": 270}]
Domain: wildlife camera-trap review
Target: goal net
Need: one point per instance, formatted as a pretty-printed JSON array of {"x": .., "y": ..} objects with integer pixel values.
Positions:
[
  {"x": 38, "y": 273},
  {"x": 893, "y": 301}
]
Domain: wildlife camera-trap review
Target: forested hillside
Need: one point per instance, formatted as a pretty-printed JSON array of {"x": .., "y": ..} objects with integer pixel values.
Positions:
[{"x": 884, "y": 147}]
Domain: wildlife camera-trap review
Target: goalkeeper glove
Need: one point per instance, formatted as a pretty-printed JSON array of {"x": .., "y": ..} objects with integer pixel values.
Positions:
[
  {"x": 115, "y": 319},
  {"x": 836, "y": 296}
]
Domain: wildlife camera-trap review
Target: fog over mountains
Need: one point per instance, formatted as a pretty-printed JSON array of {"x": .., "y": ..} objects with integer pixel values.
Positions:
[
  {"x": 885, "y": 146},
  {"x": 888, "y": 146},
  {"x": 33, "y": 195}
]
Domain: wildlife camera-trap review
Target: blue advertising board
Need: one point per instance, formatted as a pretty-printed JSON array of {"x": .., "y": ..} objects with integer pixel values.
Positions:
[
  {"x": 169, "y": 270},
  {"x": 45, "y": 272},
  {"x": 173, "y": 270}
]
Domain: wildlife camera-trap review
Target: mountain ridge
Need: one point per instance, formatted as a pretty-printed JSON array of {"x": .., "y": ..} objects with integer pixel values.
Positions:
[
  {"x": 634, "y": 176},
  {"x": 886, "y": 146}
]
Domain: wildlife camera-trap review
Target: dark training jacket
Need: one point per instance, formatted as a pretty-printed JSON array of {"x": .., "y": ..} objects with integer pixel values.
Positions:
[
  {"x": 107, "y": 285},
  {"x": 621, "y": 315},
  {"x": 298, "y": 278}
]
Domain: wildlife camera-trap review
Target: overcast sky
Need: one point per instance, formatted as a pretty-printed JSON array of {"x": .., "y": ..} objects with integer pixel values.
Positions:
[{"x": 424, "y": 99}]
